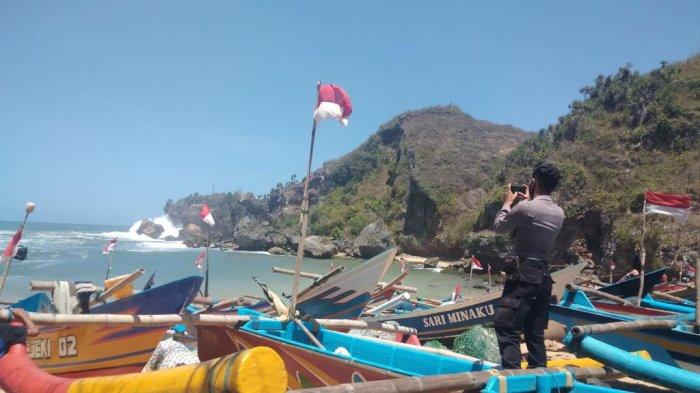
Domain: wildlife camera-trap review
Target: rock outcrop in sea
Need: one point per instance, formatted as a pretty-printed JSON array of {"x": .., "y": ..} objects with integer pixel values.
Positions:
[{"x": 150, "y": 229}]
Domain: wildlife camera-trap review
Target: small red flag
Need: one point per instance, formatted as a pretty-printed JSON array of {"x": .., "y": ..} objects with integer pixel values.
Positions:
[
  {"x": 476, "y": 264},
  {"x": 205, "y": 215},
  {"x": 12, "y": 245},
  {"x": 110, "y": 246},
  {"x": 201, "y": 260}
]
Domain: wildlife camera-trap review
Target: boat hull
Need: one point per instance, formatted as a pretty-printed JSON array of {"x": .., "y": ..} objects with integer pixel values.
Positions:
[
  {"x": 95, "y": 350},
  {"x": 669, "y": 346},
  {"x": 305, "y": 368},
  {"x": 447, "y": 322}
]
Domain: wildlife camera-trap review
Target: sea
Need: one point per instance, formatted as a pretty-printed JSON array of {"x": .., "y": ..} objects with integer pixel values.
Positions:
[{"x": 74, "y": 252}]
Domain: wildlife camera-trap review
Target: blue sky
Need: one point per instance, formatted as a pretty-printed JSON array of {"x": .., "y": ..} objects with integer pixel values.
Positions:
[{"x": 107, "y": 109}]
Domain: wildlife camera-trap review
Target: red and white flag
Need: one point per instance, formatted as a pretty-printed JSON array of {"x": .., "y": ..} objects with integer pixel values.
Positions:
[
  {"x": 205, "y": 215},
  {"x": 12, "y": 245},
  {"x": 676, "y": 206},
  {"x": 201, "y": 260},
  {"x": 476, "y": 264},
  {"x": 333, "y": 103},
  {"x": 110, "y": 246}
]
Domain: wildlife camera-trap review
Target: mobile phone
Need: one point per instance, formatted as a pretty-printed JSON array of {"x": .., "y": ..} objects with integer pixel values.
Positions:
[{"x": 516, "y": 188}]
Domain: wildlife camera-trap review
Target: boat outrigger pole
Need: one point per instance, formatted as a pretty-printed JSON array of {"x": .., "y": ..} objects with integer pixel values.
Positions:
[{"x": 304, "y": 218}]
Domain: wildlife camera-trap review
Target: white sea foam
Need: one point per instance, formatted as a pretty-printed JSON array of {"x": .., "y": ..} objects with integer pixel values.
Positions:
[{"x": 147, "y": 243}]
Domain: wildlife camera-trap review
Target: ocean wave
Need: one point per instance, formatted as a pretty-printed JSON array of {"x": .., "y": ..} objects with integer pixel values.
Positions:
[{"x": 146, "y": 243}]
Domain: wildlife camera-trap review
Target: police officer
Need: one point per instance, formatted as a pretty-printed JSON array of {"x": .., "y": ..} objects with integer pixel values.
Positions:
[{"x": 533, "y": 221}]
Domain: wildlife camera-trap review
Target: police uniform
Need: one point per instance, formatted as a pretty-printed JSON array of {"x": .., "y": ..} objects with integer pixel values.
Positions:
[{"x": 524, "y": 306}]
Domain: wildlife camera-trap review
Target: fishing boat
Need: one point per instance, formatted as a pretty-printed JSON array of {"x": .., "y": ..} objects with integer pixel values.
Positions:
[
  {"x": 345, "y": 296},
  {"x": 336, "y": 358},
  {"x": 630, "y": 287},
  {"x": 259, "y": 370},
  {"x": 678, "y": 347},
  {"x": 447, "y": 322},
  {"x": 90, "y": 350}
]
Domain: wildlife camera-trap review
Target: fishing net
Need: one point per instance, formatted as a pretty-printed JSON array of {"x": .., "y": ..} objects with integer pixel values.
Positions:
[
  {"x": 479, "y": 342},
  {"x": 434, "y": 344}
]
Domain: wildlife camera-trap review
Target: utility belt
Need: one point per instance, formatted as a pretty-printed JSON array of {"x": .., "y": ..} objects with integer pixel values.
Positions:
[{"x": 529, "y": 270}]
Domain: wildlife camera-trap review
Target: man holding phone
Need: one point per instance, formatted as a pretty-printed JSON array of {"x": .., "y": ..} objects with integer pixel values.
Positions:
[{"x": 533, "y": 221}]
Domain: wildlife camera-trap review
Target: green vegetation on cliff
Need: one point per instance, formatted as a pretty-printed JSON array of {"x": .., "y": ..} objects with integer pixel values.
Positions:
[{"x": 631, "y": 132}]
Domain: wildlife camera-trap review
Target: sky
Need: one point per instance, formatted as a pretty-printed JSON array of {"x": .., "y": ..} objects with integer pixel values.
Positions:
[{"x": 108, "y": 109}]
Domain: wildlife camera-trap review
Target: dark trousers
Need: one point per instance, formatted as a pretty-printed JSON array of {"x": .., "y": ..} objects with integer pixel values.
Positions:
[{"x": 524, "y": 307}]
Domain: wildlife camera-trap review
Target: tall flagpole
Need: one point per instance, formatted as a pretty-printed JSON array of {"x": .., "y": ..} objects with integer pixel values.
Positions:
[
  {"x": 109, "y": 266},
  {"x": 489, "y": 272},
  {"x": 28, "y": 209},
  {"x": 471, "y": 270},
  {"x": 304, "y": 219},
  {"x": 643, "y": 255},
  {"x": 206, "y": 271}
]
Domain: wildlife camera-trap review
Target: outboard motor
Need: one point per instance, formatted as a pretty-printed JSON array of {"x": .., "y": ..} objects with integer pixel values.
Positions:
[{"x": 83, "y": 291}]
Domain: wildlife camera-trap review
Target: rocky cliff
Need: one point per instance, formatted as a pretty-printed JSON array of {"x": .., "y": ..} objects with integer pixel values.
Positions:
[{"x": 419, "y": 176}]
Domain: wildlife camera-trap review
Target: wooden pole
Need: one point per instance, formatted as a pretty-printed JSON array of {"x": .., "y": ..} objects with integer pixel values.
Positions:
[
  {"x": 109, "y": 266},
  {"x": 460, "y": 382},
  {"x": 119, "y": 285},
  {"x": 28, "y": 209},
  {"x": 304, "y": 217},
  {"x": 190, "y": 319},
  {"x": 578, "y": 331},
  {"x": 40, "y": 285},
  {"x": 697, "y": 298},
  {"x": 489, "y": 273},
  {"x": 381, "y": 285},
  {"x": 206, "y": 271},
  {"x": 604, "y": 295},
  {"x": 471, "y": 270},
  {"x": 643, "y": 255},
  {"x": 666, "y": 296}
]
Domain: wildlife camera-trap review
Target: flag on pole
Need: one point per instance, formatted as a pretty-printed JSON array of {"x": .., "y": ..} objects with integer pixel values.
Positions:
[
  {"x": 12, "y": 246},
  {"x": 109, "y": 247},
  {"x": 612, "y": 265},
  {"x": 205, "y": 215},
  {"x": 201, "y": 260},
  {"x": 333, "y": 103},
  {"x": 476, "y": 264},
  {"x": 676, "y": 206}
]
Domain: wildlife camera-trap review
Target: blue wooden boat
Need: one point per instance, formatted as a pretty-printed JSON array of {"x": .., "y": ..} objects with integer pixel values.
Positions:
[
  {"x": 93, "y": 350},
  {"x": 678, "y": 347},
  {"x": 346, "y": 295},
  {"x": 447, "y": 322},
  {"x": 558, "y": 382},
  {"x": 647, "y": 370},
  {"x": 630, "y": 287},
  {"x": 342, "y": 359}
]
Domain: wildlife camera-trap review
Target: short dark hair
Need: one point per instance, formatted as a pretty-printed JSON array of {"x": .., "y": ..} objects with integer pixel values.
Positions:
[{"x": 547, "y": 176}]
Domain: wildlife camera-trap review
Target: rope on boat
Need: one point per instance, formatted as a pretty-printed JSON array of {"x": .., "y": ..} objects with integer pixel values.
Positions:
[{"x": 578, "y": 331}]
